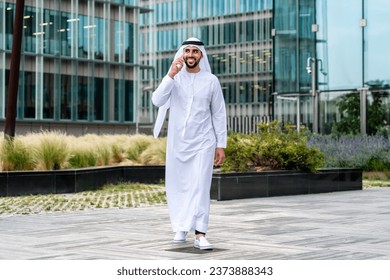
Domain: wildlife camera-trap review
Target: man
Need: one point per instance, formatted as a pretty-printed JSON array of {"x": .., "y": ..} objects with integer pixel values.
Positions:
[{"x": 196, "y": 138}]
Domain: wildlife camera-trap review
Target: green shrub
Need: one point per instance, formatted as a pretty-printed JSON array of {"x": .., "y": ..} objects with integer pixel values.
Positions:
[
  {"x": 377, "y": 164},
  {"x": 240, "y": 152},
  {"x": 271, "y": 148}
]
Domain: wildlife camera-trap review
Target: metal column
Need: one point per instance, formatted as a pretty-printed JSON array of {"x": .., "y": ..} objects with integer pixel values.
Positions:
[
  {"x": 363, "y": 110},
  {"x": 314, "y": 93}
]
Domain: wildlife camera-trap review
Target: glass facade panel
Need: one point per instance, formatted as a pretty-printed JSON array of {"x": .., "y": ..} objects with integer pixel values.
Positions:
[
  {"x": 64, "y": 34},
  {"x": 378, "y": 111},
  {"x": 29, "y": 95},
  {"x": 9, "y": 24},
  {"x": 50, "y": 28},
  {"x": 336, "y": 106},
  {"x": 119, "y": 89},
  {"x": 84, "y": 30},
  {"x": 48, "y": 96},
  {"x": 230, "y": 93},
  {"x": 98, "y": 36},
  {"x": 82, "y": 102},
  {"x": 118, "y": 29},
  {"x": 254, "y": 5},
  {"x": 98, "y": 112},
  {"x": 94, "y": 42},
  {"x": 377, "y": 41},
  {"x": 220, "y": 35},
  {"x": 66, "y": 97},
  {"x": 124, "y": 100},
  {"x": 2, "y": 26},
  {"x": 89, "y": 41},
  {"x": 177, "y": 10},
  {"x": 339, "y": 44},
  {"x": 350, "y": 53},
  {"x": 30, "y": 30},
  {"x": 129, "y": 101},
  {"x": 237, "y": 36},
  {"x": 294, "y": 44},
  {"x": 229, "y": 35},
  {"x": 130, "y": 41}
]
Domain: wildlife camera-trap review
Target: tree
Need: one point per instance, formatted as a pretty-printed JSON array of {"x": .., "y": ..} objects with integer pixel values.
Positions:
[
  {"x": 349, "y": 109},
  {"x": 376, "y": 112}
]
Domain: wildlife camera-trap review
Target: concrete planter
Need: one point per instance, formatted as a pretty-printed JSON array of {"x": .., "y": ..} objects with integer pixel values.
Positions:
[
  {"x": 75, "y": 180},
  {"x": 224, "y": 185},
  {"x": 227, "y": 186}
]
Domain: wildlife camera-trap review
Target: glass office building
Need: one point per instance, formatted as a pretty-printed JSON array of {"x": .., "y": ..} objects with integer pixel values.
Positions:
[
  {"x": 238, "y": 40},
  {"x": 332, "y": 64},
  {"x": 322, "y": 64},
  {"x": 91, "y": 66},
  {"x": 79, "y": 67}
]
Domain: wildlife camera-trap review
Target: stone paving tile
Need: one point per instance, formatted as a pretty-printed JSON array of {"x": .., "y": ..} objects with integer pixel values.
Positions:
[{"x": 342, "y": 225}]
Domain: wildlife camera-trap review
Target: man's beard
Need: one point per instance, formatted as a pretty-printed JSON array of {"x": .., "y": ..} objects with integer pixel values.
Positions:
[{"x": 191, "y": 66}]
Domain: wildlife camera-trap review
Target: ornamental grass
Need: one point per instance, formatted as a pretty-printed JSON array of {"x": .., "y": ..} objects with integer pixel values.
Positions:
[
  {"x": 271, "y": 149},
  {"x": 55, "y": 150}
]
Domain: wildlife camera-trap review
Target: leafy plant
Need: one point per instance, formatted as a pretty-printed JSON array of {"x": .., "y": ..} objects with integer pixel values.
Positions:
[
  {"x": 349, "y": 109},
  {"x": 271, "y": 148}
]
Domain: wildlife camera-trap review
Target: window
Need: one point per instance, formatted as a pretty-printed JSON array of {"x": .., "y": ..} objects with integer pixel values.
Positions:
[{"x": 48, "y": 96}]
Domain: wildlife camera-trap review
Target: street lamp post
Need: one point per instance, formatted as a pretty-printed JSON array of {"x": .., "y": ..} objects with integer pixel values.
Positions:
[
  {"x": 294, "y": 98},
  {"x": 311, "y": 68}
]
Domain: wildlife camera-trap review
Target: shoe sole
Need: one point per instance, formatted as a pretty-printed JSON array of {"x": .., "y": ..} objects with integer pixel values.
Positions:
[
  {"x": 180, "y": 240},
  {"x": 204, "y": 247}
]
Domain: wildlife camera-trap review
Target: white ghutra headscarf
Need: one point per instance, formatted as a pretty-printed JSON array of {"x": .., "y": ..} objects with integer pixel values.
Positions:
[
  {"x": 194, "y": 42},
  {"x": 203, "y": 64}
]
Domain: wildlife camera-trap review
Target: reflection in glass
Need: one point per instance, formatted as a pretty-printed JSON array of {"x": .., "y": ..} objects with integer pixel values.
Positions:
[
  {"x": 29, "y": 94},
  {"x": 48, "y": 96},
  {"x": 378, "y": 112},
  {"x": 82, "y": 103},
  {"x": 340, "y": 45},
  {"x": 377, "y": 41},
  {"x": 129, "y": 101},
  {"x": 66, "y": 97},
  {"x": 99, "y": 99},
  {"x": 68, "y": 88}
]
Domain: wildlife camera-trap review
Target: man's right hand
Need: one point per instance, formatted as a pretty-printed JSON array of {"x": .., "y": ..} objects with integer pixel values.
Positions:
[{"x": 176, "y": 66}]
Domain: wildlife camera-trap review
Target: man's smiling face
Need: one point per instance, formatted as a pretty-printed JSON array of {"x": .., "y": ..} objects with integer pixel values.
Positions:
[{"x": 192, "y": 55}]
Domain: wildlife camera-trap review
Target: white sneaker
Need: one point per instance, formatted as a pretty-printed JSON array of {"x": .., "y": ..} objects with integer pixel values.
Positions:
[
  {"x": 202, "y": 244},
  {"x": 180, "y": 237}
]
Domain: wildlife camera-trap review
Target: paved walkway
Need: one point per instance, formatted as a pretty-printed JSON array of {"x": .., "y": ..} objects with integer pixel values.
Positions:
[{"x": 343, "y": 225}]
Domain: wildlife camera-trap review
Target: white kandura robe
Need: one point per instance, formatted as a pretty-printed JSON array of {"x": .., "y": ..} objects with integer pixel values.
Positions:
[{"x": 197, "y": 125}]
